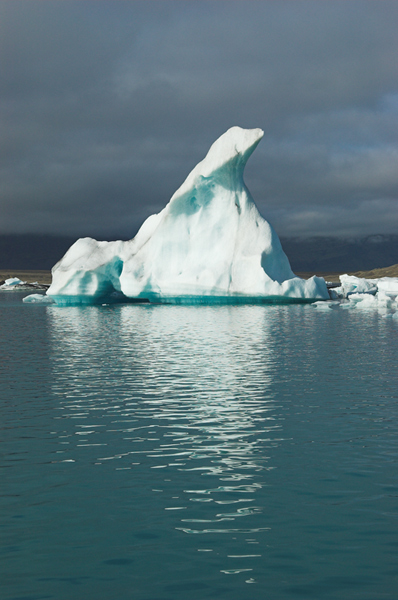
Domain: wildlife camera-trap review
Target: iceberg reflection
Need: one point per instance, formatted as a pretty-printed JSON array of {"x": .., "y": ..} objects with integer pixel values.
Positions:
[{"x": 179, "y": 397}]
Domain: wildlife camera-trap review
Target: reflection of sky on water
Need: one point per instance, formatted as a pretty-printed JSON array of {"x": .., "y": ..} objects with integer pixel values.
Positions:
[{"x": 182, "y": 390}]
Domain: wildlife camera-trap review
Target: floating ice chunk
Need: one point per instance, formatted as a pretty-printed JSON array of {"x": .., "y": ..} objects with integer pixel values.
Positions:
[
  {"x": 378, "y": 294},
  {"x": 209, "y": 244},
  {"x": 355, "y": 285},
  {"x": 38, "y": 299},
  {"x": 364, "y": 301},
  {"x": 389, "y": 285},
  {"x": 12, "y": 282},
  {"x": 380, "y": 301},
  {"x": 384, "y": 300}
]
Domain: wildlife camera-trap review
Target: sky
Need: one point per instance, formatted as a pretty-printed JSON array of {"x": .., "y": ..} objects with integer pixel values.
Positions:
[{"x": 107, "y": 105}]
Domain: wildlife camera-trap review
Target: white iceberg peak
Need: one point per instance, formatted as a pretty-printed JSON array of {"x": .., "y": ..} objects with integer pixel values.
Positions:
[
  {"x": 234, "y": 146},
  {"x": 209, "y": 243}
]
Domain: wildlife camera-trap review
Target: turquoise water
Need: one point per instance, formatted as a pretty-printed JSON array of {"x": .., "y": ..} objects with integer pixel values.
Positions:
[{"x": 174, "y": 452}]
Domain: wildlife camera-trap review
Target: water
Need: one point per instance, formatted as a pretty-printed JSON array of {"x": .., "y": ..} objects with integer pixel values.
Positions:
[{"x": 174, "y": 452}]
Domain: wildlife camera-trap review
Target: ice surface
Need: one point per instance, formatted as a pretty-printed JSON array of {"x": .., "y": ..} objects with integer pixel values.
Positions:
[
  {"x": 11, "y": 282},
  {"x": 209, "y": 244},
  {"x": 355, "y": 285},
  {"x": 368, "y": 294},
  {"x": 389, "y": 285},
  {"x": 38, "y": 299}
]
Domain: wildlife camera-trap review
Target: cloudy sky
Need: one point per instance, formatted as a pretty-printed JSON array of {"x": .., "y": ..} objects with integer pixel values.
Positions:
[{"x": 106, "y": 105}]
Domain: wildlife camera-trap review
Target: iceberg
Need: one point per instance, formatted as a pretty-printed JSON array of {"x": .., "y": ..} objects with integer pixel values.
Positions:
[{"x": 208, "y": 245}]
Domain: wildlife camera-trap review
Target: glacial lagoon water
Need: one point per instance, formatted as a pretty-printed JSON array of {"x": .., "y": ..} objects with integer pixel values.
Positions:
[{"x": 174, "y": 452}]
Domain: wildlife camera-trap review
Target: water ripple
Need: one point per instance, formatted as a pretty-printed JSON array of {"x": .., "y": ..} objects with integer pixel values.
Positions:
[{"x": 156, "y": 439}]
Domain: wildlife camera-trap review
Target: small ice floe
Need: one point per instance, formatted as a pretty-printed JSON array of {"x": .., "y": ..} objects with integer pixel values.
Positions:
[
  {"x": 11, "y": 282},
  {"x": 388, "y": 285},
  {"x": 14, "y": 283},
  {"x": 355, "y": 285},
  {"x": 385, "y": 300},
  {"x": 38, "y": 299},
  {"x": 363, "y": 301},
  {"x": 380, "y": 301}
]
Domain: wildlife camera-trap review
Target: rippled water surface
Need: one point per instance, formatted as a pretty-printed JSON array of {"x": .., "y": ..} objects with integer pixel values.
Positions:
[{"x": 176, "y": 452}]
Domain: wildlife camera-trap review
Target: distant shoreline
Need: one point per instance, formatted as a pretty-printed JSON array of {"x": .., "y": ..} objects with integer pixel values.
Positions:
[
  {"x": 29, "y": 276},
  {"x": 391, "y": 271},
  {"x": 42, "y": 276}
]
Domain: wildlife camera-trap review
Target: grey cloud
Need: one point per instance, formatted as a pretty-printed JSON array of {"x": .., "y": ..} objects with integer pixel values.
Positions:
[
  {"x": 107, "y": 106},
  {"x": 354, "y": 220}
]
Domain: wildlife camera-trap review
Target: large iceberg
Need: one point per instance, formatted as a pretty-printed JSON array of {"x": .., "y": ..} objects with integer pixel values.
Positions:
[{"x": 209, "y": 244}]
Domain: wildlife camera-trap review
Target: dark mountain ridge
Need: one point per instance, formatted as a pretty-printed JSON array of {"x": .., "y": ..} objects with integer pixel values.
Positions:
[
  {"x": 312, "y": 254},
  {"x": 341, "y": 254}
]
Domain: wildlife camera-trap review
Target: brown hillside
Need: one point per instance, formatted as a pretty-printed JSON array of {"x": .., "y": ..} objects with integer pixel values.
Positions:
[{"x": 375, "y": 273}]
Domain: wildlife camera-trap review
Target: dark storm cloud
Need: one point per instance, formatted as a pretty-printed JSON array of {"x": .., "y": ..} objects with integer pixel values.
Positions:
[{"x": 106, "y": 106}]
